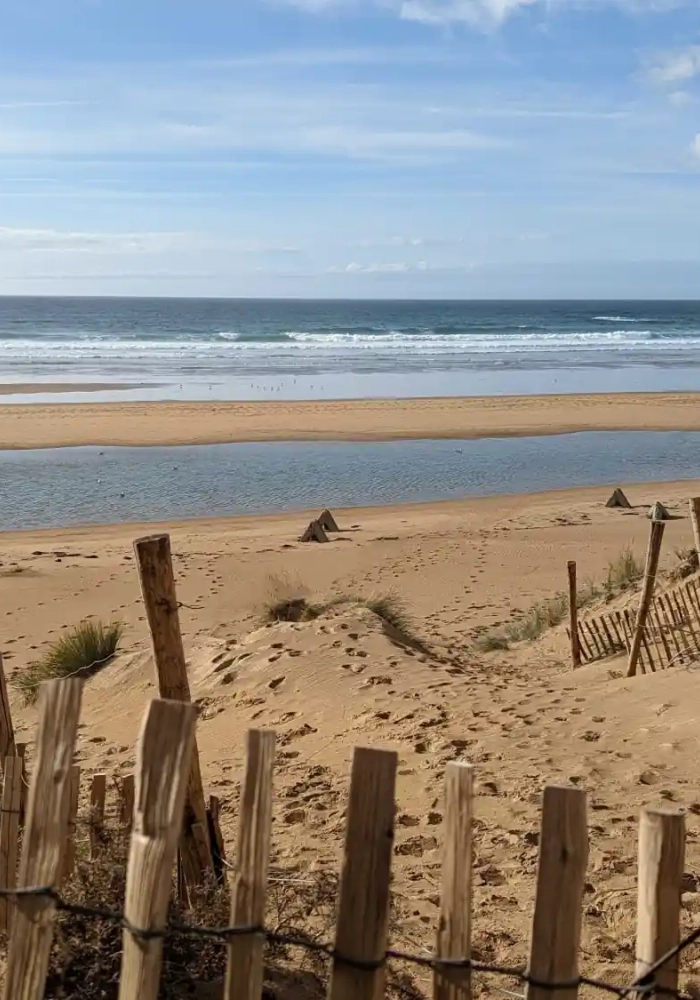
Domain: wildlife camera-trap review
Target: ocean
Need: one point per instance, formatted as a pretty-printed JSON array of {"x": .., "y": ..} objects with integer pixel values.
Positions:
[{"x": 187, "y": 348}]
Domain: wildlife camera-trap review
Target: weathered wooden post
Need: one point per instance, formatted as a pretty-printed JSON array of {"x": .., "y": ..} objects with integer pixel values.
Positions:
[
  {"x": 652, "y": 565},
  {"x": 573, "y": 616},
  {"x": 160, "y": 599},
  {"x": 661, "y": 863}
]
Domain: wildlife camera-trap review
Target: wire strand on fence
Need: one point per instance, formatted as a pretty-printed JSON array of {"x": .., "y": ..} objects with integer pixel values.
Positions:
[{"x": 644, "y": 986}]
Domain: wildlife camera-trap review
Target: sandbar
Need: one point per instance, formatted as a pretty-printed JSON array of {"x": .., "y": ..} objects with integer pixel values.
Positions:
[{"x": 186, "y": 423}]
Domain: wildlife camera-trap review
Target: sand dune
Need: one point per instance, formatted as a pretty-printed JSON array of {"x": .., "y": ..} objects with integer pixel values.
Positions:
[{"x": 521, "y": 716}]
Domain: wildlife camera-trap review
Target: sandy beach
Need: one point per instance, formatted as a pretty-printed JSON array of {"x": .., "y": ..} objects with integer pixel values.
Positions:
[
  {"x": 63, "y": 425},
  {"x": 520, "y": 715}
]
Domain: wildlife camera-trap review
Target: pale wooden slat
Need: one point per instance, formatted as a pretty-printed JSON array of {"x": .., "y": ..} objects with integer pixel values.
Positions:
[
  {"x": 72, "y": 821},
  {"x": 661, "y": 863},
  {"x": 98, "y": 793},
  {"x": 11, "y": 806},
  {"x": 126, "y": 801},
  {"x": 44, "y": 839},
  {"x": 455, "y": 927},
  {"x": 689, "y": 615},
  {"x": 668, "y": 622},
  {"x": 163, "y": 764},
  {"x": 160, "y": 600},
  {"x": 363, "y": 909},
  {"x": 7, "y": 733},
  {"x": 244, "y": 969},
  {"x": 556, "y": 926},
  {"x": 21, "y": 751}
]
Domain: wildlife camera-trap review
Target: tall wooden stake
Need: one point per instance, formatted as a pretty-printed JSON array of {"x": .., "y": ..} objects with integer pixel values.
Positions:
[
  {"x": 652, "y": 565},
  {"x": 363, "y": 908},
  {"x": 160, "y": 599},
  {"x": 244, "y": 968},
  {"x": 661, "y": 861},
  {"x": 694, "y": 505},
  {"x": 455, "y": 928},
  {"x": 556, "y": 926},
  {"x": 162, "y": 770},
  {"x": 573, "y": 616},
  {"x": 44, "y": 840}
]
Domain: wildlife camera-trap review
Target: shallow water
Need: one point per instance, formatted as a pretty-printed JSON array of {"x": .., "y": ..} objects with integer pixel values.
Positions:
[{"x": 68, "y": 486}]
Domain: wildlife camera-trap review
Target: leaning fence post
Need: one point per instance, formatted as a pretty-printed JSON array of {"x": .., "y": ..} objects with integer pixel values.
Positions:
[
  {"x": 11, "y": 806},
  {"x": 44, "y": 840},
  {"x": 661, "y": 862},
  {"x": 556, "y": 926},
  {"x": 652, "y": 565},
  {"x": 363, "y": 908},
  {"x": 455, "y": 927},
  {"x": 573, "y": 615},
  {"x": 162, "y": 770},
  {"x": 7, "y": 733},
  {"x": 244, "y": 967},
  {"x": 160, "y": 599}
]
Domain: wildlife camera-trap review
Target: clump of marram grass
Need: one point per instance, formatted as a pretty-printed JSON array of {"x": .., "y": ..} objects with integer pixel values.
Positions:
[
  {"x": 490, "y": 642},
  {"x": 540, "y": 617},
  {"x": 78, "y": 653},
  {"x": 288, "y": 601},
  {"x": 687, "y": 564},
  {"x": 623, "y": 572}
]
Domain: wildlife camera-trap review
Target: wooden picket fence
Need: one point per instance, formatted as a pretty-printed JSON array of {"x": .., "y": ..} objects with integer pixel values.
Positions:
[
  {"x": 671, "y": 634},
  {"x": 359, "y": 951}
]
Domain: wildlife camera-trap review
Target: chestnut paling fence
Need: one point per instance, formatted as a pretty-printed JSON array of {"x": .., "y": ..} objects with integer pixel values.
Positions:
[{"x": 163, "y": 807}]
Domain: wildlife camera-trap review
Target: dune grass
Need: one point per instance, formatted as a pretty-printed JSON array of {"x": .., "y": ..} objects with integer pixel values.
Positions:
[
  {"x": 79, "y": 652},
  {"x": 288, "y": 601},
  {"x": 623, "y": 572},
  {"x": 687, "y": 564}
]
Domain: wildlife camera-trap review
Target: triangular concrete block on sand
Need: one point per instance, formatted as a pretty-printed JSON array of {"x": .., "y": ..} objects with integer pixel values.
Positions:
[
  {"x": 314, "y": 533},
  {"x": 618, "y": 499},
  {"x": 327, "y": 521},
  {"x": 657, "y": 512}
]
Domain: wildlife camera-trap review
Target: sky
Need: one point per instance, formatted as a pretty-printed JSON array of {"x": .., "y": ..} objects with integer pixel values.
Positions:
[{"x": 350, "y": 148}]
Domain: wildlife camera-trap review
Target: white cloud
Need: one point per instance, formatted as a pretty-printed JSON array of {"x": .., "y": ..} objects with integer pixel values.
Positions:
[
  {"x": 680, "y": 98},
  {"x": 676, "y": 67},
  {"x": 478, "y": 12},
  {"x": 63, "y": 241},
  {"x": 398, "y": 267},
  {"x": 695, "y": 146}
]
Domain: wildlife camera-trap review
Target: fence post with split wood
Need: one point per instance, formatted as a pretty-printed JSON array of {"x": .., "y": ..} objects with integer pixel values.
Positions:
[{"x": 360, "y": 952}]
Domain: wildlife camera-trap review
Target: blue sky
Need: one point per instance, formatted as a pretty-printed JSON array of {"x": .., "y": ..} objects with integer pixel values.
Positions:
[{"x": 392, "y": 148}]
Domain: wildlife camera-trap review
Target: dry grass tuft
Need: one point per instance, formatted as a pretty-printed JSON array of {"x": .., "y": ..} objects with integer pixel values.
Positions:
[
  {"x": 287, "y": 600},
  {"x": 86, "y": 954},
  {"x": 687, "y": 564},
  {"x": 80, "y": 652},
  {"x": 623, "y": 572}
]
